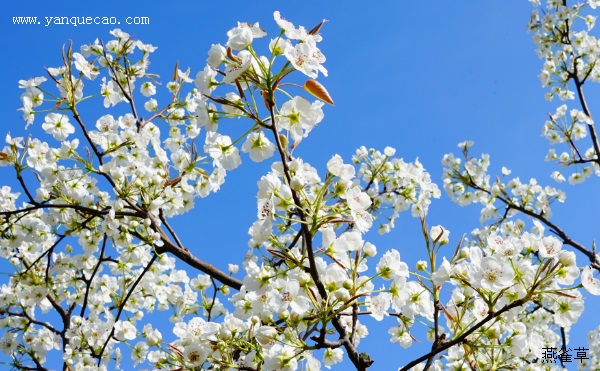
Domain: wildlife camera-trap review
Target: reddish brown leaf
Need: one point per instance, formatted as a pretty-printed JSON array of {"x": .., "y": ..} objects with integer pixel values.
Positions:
[
  {"x": 316, "y": 29},
  {"x": 173, "y": 182},
  {"x": 233, "y": 57},
  {"x": 266, "y": 99},
  {"x": 318, "y": 90},
  {"x": 175, "y": 71}
]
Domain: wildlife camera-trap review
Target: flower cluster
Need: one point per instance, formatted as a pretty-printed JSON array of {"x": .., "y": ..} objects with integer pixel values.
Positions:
[
  {"x": 466, "y": 181},
  {"x": 570, "y": 60},
  {"x": 94, "y": 254}
]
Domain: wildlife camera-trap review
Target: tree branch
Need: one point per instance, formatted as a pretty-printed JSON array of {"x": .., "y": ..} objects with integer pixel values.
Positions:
[
  {"x": 462, "y": 338},
  {"x": 359, "y": 362},
  {"x": 123, "y": 303},
  {"x": 187, "y": 257},
  {"x": 553, "y": 227}
]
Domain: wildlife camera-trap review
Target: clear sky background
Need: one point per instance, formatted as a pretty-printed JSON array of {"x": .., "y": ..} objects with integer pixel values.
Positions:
[{"x": 417, "y": 76}]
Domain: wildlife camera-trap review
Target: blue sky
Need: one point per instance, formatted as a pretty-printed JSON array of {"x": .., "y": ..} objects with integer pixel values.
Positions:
[{"x": 417, "y": 76}]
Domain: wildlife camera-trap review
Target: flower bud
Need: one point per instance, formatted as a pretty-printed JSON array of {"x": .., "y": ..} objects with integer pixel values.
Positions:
[
  {"x": 369, "y": 250},
  {"x": 304, "y": 278},
  {"x": 266, "y": 316},
  {"x": 439, "y": 234},
  {"x": 284, "y": 315},
  {"x": 421, "y": 265},
  {"x": 431, "y": 333},
  {"x": 296, "y": 184},
  {"x": 233, "y": 268},
  {"x": 153, "y": 337},
  {"x": 567, "y": 258},
  {"x": 492, "y": 333},
  {"x": 341, "y": 186},
  {"x": 468, "y": 291},
  {"x": 342, "y": 294},
  {"x": 284, "y": 141},
  {"x": 225, "y": 334},
  {"x": 265, "y": 334}
]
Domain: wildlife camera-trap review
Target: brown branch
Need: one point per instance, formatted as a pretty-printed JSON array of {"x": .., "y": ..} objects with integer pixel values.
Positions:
[
  {"x": 436, "y": 341},
  {"x": 87, "y": 210},
  {"x": 88, "y": 282},
  {"x": 22, "y": 182},
  {"x": 86, "y": 134},
  {"x": 579, "y": 87},
  {"x": 361, "y": 363},
  {"x": 324, "y": 343},
  {"x": 212, "y": 303},
  {"x": 123, "y": 303},
  {"x": 584, "y": 106},
  {"x": 161, "y": 215},
  {"x": 115, "y": 78},
  {"x": 553, "y": 227},
  {"x": 463, "y": 337},
  {"x": 187, "y": 257},
  {"x": 31, "y": 320}
]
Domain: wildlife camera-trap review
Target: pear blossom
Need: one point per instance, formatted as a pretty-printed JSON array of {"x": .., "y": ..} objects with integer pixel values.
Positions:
[
  {"x": 125, "y": 330},
  {"x": 284, "y": 24},
  {"x": 493, "y": 274},
  {"x": 205, "y": 80},
  {"x": 332, "y": 356},
  {"x": 414, "y": 300},
  {"x": 151, "y": 105},
  {"x": 439, "y": 234},
  {"x": 550, "y": 247},
  {"x": 27, "y": 109},
  {"x": 258, "y": 146},
  {"x": 111, "y": 93},
  {"x": 298, "y": 116},
  {"x": 292, "y": 296},
  {"x": 216, "y": 55},
  {"x": 195, "y": 355},
  {"x": 378, "y": 305},
  {"x": 567, "y": 310},
  {"x": 139, "y": 352},
  {"x": 337, "y": 167},
  {"x": 442, "y": 274},
  {"x": 280, "y": 358},
  {"x": 32, "y": 82},
  {"x": 390, "y": 266},
  {"x": 243, "y": 35},
  {"x": 400, "y": 336},
  {"x": 306, "y": 59},
  {"x": 591, "y": 284},
  {"x": 237, "y": 68},
  {"x": 223, "y": 152},
  {"x": 58, "y": 126},
  {"x": 86, "y": 68},
  {"x": 153, "y": 336},
  {"x": 232, "y": 108},
  {"x": 277, "y": 46},
  {"x": 148, "y": 89}
]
